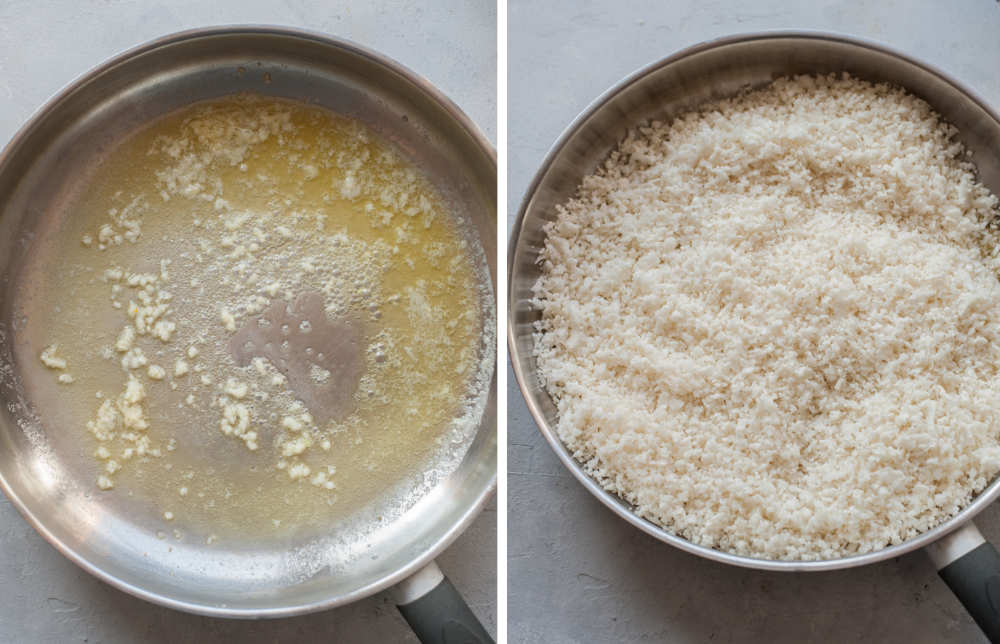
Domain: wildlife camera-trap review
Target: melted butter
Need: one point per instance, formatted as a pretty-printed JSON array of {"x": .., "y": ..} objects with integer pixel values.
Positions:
[{"x": 241, "y": 204}]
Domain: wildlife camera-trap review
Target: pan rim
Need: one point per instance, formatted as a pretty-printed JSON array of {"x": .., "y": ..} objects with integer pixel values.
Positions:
[
  {"x": 481, "y": 143},
  {"x": 612, "y": 501}
]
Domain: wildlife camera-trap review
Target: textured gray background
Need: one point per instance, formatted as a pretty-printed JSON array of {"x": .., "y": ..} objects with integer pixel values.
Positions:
[
  {"x": 43, "y": 46},
  {"x": 577, "y": 573}
]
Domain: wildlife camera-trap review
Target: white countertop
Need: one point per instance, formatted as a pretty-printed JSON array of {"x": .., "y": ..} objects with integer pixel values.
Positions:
[
  {"x": 45, "y": 45},
  {"x": 577, "y": 572}
]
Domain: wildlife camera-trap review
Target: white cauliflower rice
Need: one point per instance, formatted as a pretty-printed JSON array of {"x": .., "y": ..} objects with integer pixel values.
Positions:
[{"x": 773, "y": 324}]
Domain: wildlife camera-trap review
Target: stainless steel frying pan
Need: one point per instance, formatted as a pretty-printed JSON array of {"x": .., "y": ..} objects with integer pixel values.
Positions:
[
  {"x": 679, "y": 83},
  {"x": 50, "y": 480}
]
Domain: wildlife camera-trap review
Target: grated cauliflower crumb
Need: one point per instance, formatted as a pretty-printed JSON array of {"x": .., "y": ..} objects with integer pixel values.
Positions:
[{"x": 773, "y": 325}]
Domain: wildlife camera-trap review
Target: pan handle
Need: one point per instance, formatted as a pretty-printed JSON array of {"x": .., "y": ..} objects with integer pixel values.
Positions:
[
  {"x": 436, "y": 612},
  {"x": 970, "y": 566}
]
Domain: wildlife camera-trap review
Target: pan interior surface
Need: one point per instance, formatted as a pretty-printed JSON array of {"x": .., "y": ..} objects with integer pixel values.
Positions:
[
  {"x": 674, "y": 86},
  {"x": 46, "y": 470}
]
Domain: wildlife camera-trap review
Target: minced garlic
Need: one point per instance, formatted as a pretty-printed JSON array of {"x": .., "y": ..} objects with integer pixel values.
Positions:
[
  {"x": 50, "y": 359},
  {"x": 236, "y": 422}
]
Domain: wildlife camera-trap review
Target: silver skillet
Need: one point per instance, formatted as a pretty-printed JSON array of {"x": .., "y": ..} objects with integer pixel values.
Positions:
[
  {"x": 676, "y": 84},
  {"x": 50, "y": 480}
]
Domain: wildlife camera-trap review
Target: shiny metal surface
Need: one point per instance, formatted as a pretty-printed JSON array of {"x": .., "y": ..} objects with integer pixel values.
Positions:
[
  {"x": 667, "y": 88},
  {"x": 46, "y": 164}
]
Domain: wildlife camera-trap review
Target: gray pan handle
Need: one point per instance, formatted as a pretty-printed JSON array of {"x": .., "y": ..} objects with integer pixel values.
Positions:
[
  {"x": 436, "y": 612},
  {"x": 970, "y": 566}
]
